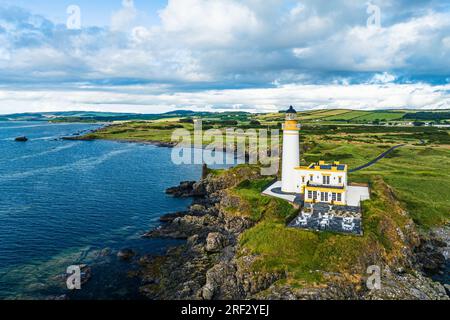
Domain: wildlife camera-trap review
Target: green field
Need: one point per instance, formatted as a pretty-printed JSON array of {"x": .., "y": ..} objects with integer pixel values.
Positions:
[
  {"x": 343, "y": 116},
  {"x": 382, "y": 116}
]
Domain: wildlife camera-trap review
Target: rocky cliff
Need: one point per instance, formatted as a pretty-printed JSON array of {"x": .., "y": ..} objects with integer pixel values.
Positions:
[{"x": 213, "y": 263}]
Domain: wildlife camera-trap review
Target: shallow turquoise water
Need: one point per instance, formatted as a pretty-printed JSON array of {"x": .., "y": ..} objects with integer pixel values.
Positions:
[{"x": 63, "y": 202}]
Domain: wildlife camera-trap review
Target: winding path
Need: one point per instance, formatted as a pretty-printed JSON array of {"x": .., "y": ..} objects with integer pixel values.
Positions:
[{"x": 381, "y": 156}]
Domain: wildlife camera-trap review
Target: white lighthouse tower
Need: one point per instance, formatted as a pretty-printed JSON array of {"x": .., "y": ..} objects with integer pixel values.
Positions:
[{"x": 291, "y": 152}]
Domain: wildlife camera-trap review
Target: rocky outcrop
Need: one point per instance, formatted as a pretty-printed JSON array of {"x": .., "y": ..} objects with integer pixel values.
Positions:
[
  {"x": 126, "y": 254},
  {"x": 406, "y": 286},
  {"x": 172, "y": 216},
  {"x": 21, "y": 139},
  {"x": 215, "y": 242},
  {"x": 187, "y": 189},
  {"x": 206, "y": 267},
  {"x": 432, "y": 252},
  {"x": 211, "y": 265}
]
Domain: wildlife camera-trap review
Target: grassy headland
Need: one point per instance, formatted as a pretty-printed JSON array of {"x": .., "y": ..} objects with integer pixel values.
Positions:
[
  {"x": 410, "y": 189},
  {"x": 418, "y": 172}
]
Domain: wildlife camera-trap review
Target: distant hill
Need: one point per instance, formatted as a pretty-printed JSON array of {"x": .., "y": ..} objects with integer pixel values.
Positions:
[
  {"x": 89, "y": 116},
  {"x": 324, "y": 115}
]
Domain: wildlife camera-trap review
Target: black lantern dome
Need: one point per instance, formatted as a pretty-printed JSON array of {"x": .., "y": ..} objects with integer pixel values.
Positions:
[{"x": 291, "y": 110}]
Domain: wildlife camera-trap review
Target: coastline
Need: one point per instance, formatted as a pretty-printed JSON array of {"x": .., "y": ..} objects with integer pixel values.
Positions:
[
  {"x": 211, "y": 265},
  {"x": 157, "y": 143},
  {"x": 207, "y": 266}
]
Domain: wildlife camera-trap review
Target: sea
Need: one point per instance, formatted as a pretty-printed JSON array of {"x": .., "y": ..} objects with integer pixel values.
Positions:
[{"x": 65, "y": 203}]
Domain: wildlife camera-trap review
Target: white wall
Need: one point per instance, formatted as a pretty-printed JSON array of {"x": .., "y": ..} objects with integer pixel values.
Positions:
[
  {"x": 291, "y": 160},
  {"x": 318, "y": 177}
]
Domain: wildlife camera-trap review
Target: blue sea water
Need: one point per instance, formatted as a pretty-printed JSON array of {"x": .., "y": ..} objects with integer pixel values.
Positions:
[{"x": 71, "y": 202}]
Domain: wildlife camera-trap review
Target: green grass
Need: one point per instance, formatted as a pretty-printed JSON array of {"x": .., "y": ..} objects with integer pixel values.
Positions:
[
  {"x": 414, "y": 179},
  {"x": 382, "y": 116},
  {"x": 255, "y": 206},
  {"x": 307, "y": 255},
  {"x": 420, "y": 179},
  {"x": 347, "y": 116}
]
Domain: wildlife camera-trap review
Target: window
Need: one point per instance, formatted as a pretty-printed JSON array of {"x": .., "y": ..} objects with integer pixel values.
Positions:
[
  {"x": 324, "y": 196},
  {"x": 310, "y": 194},
  {"x": 340, "y": 179},
  {"x": 303, "y": 179},
  {"x": 311, "y": 177},
  {"x": 326, "y": 179},
  {"x": 333, "y": 196},
  {"x": 339, "y": 197},
  {"x": 315, "y": 195}
]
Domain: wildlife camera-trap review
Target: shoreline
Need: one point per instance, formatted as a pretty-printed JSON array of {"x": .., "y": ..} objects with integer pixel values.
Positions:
[
  {"x": 200, "y": 246},
  {"x": 214, "y": 249},
  {"x": 157, "y": 143}
]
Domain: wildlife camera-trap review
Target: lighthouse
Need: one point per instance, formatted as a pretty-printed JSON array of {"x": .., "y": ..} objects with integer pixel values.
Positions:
[{"x": 291, "y": 152}]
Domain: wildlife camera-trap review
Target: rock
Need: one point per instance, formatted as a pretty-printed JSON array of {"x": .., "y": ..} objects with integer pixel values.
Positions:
[
  {"x": 434, "y": 262},
  {"x": 430, "y": 255},
  {"x": 197, "y": 209},
  {"x": 215, "y": 242},
  {"x": 193, "y": 240},
  {"x": 172, "y": 216},
  {"x": 208, "y": 292},
  {"x": 21, "y": 139},
  {"x": 208, "y": 267},
  {"x": 447, "y": 288},
  {"x": 204, "y": 171},
  {"x": 105, "y": 252},
  {"x": 187, "y": 189},
  {"x": 86, "y": 275},
  {"x": 408, "y": 286},
  {"x": 184, "y": 190},
  {"x": 126, "y": 254},
  {"x": 221, "y": 283}
]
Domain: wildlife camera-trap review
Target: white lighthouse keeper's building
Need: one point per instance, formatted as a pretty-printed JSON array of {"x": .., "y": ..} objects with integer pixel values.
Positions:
[{"x": 291, "y": 152}]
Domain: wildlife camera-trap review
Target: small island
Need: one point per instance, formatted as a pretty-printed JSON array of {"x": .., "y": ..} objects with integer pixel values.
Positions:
[{"x": 21, "y": 139}]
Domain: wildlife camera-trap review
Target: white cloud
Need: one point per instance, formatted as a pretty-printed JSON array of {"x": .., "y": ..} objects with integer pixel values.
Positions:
[
  {"x": 154, "y": 100},
  {"x": 216, "y": 44},
  {"x": 122, "y": 19},
  {"x": 384, "y": 77},
  {"x": 208, "y": 22}
]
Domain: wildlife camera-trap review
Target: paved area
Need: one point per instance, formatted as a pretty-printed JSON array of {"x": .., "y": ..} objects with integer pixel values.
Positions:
[
  {"x": 275, "y": 191},
  {"x": 325, "y": 217},
  {"x": 322, "y": 217},
  {"x": 356, "y": 194}
]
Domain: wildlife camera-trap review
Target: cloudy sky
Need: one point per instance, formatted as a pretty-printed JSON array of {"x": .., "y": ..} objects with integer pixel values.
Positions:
[{"x": 152, "y": 56}]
